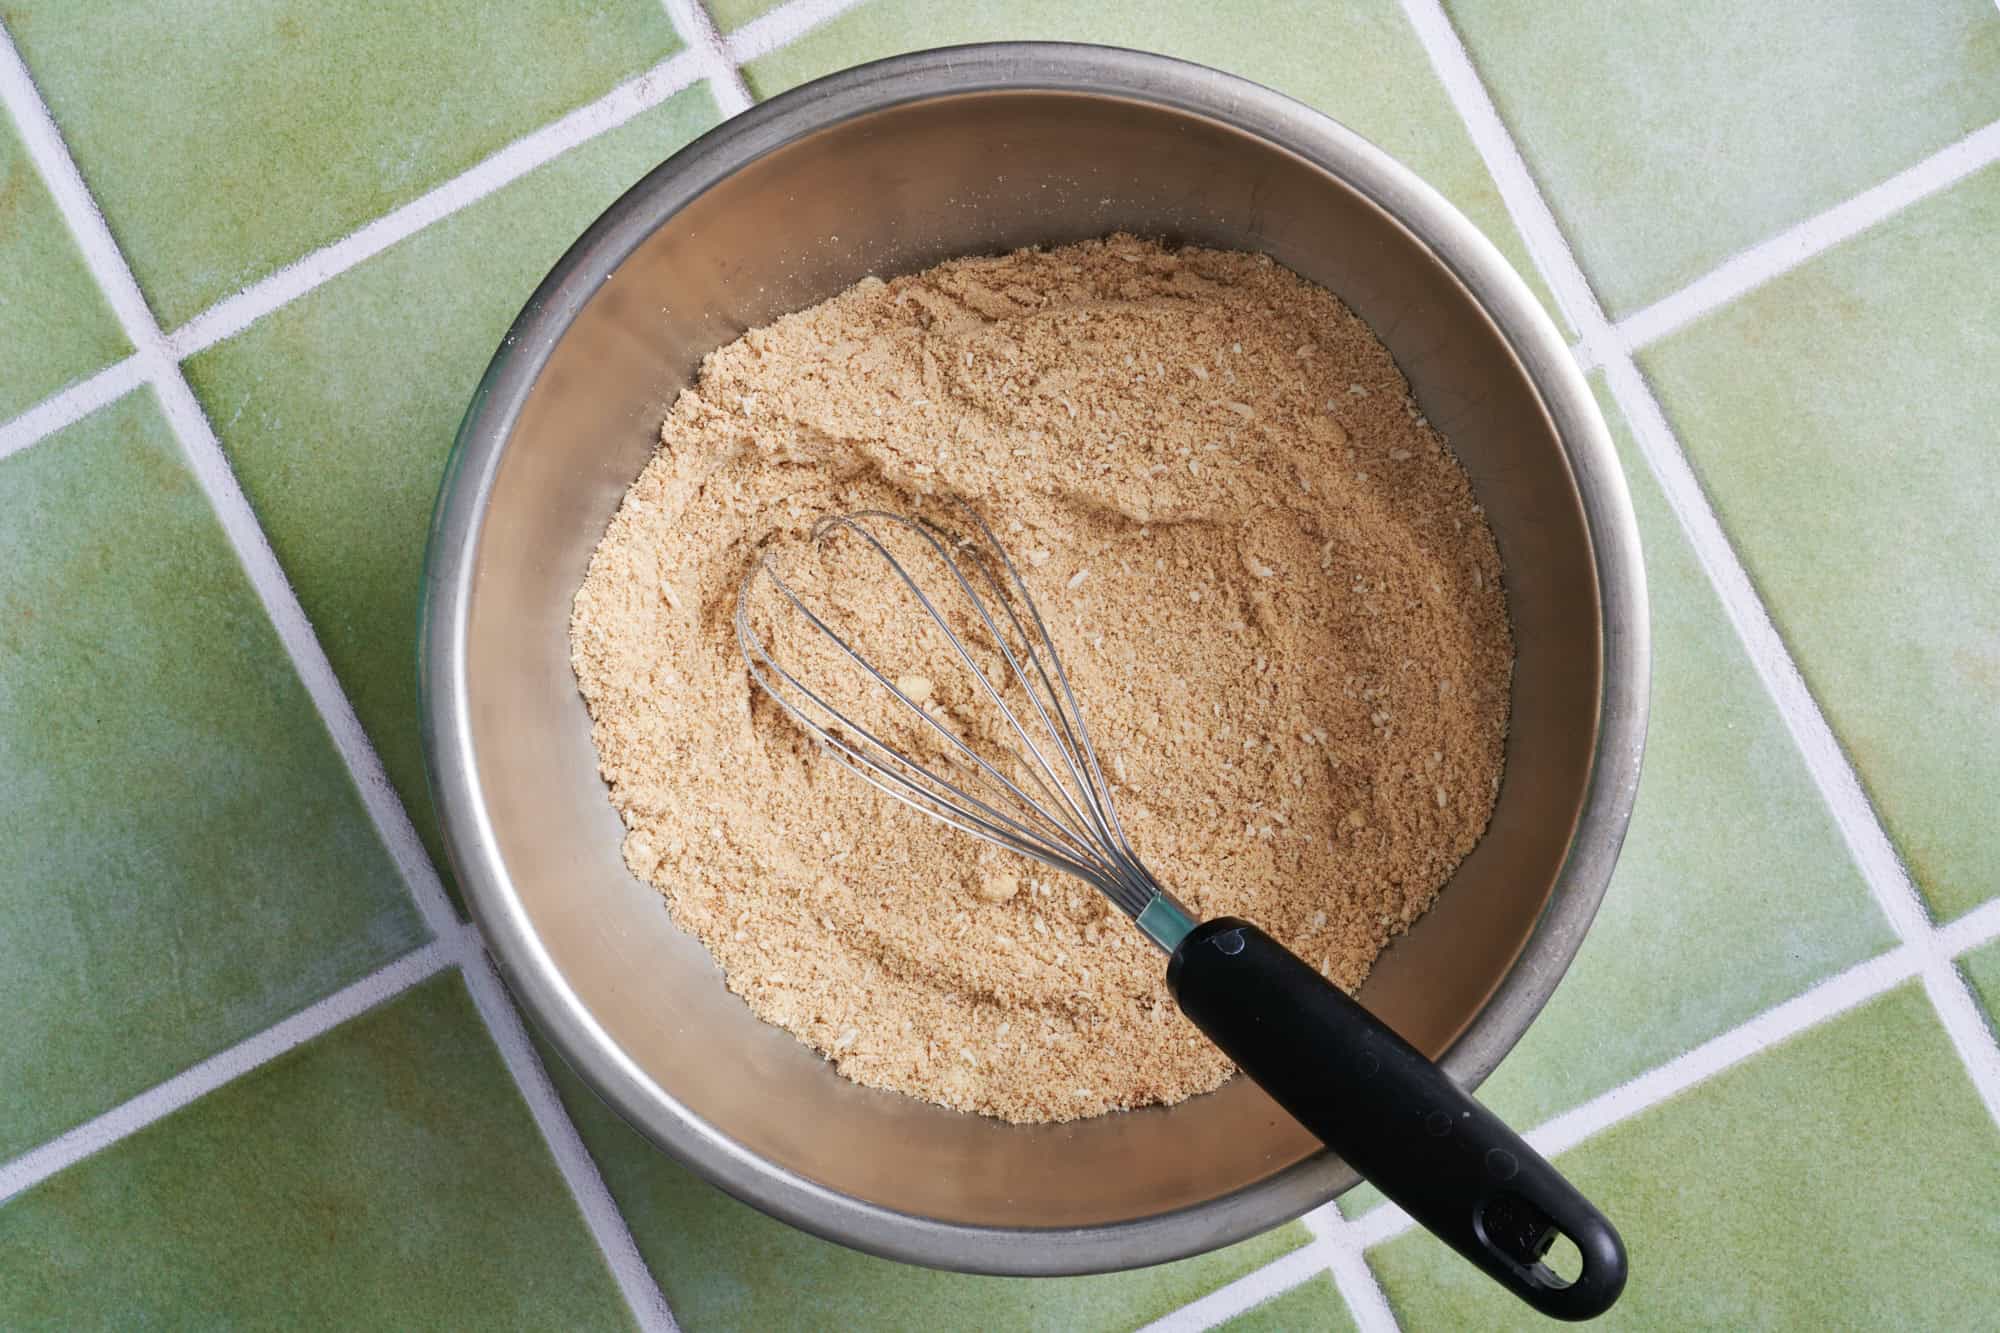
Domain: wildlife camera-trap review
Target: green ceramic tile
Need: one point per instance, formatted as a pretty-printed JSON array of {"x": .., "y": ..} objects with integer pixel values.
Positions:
[
  {"x": 1733, "y": 892},
  {"x": 1982, "y": 968},
  {"x": 1845, "y": 1180},
  {"x": 183, "y": 858},
  {"x": 384, "y": 1176},
  {"x": 337, "y": 411},
  {"x": 225, "y": 138},
  {"x": 1669, "y": 134},
  {"x": 1841, "y": 419},
  {"x": 55, "y": 327},
  {"x": 1314, "y": 1306},
  {"x": 724, "y": 1265},
  {"x": 1360, "y": 63},
  {"x": 729, "y": 15}
]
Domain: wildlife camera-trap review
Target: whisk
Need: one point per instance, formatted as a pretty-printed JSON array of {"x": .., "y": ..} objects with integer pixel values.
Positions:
[{"x": 1366, "y": 1093}]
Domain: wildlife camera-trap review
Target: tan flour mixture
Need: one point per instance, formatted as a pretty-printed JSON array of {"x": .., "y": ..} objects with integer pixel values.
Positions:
[{"x": 1277, "y": 601}]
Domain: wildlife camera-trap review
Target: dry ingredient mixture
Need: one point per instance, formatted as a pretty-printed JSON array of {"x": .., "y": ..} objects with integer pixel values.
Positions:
[{"x": 1277, "y": 601}]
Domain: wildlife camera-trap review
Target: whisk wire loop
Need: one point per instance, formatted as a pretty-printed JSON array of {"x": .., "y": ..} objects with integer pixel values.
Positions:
[
  {"x": 1070, "y": 823},
  {"x": 892, "y": 776},
  {"x": 942, "y": 545}
]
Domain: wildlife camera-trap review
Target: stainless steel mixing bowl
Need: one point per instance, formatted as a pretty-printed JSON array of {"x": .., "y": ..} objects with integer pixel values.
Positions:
[{"x": 885, "y": 169}]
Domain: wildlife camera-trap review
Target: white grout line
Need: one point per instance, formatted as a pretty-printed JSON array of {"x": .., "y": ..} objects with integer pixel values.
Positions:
[
  {"x": 163, "y": 1099},
  {"x": 767, "y": 32},
  {"x": 1979, "y": 926},
  {"x": 459, "y": 947},
  {"x": 698, "y": 31},
  {"x": 1333, "y": 1250},
  {"x": 1970, "y": 1032},
  {"x": 1245, "y": 1293},
  {"x": 1383, "y": 1222},
  {"x": 1829, "y": 999},
  {"x": 1545, "y": 242},
  {"x": 706, "y": 56},
  {"x": 1839, "y": 786},
  {"x": 593, "y": 1198},
  {"x": 233, "y": 314},
  {"x": 211, "y": 467},
  {"x": 1788, "y": 249},
  {"x": 71, "y": 405},
  {"x": 72, "y": 199},
  {"x": 1367, "y": 1304},
  {"x": 302, "y": 646}
]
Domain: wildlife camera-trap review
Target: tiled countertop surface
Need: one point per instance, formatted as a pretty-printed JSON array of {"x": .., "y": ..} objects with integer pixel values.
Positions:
[{"x": 253, "y": 256}]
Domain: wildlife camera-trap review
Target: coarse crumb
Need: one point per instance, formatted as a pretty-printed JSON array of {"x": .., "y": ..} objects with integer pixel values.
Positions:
[{"x": 1277, "y": 601}]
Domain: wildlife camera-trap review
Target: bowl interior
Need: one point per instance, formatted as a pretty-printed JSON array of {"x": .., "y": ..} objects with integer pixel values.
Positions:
[{"x": 891, "y": 191}]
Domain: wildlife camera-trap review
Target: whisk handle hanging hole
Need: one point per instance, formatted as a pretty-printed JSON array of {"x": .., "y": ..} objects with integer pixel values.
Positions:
[{"x": 1395, "y": 1117}]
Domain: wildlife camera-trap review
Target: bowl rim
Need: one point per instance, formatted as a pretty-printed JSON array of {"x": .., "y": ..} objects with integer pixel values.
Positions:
[{"x": 488, "y": 424}]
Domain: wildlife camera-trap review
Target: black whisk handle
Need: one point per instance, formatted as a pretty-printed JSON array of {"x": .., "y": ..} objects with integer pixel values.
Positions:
[{"x": 1395, "y": 1117}]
